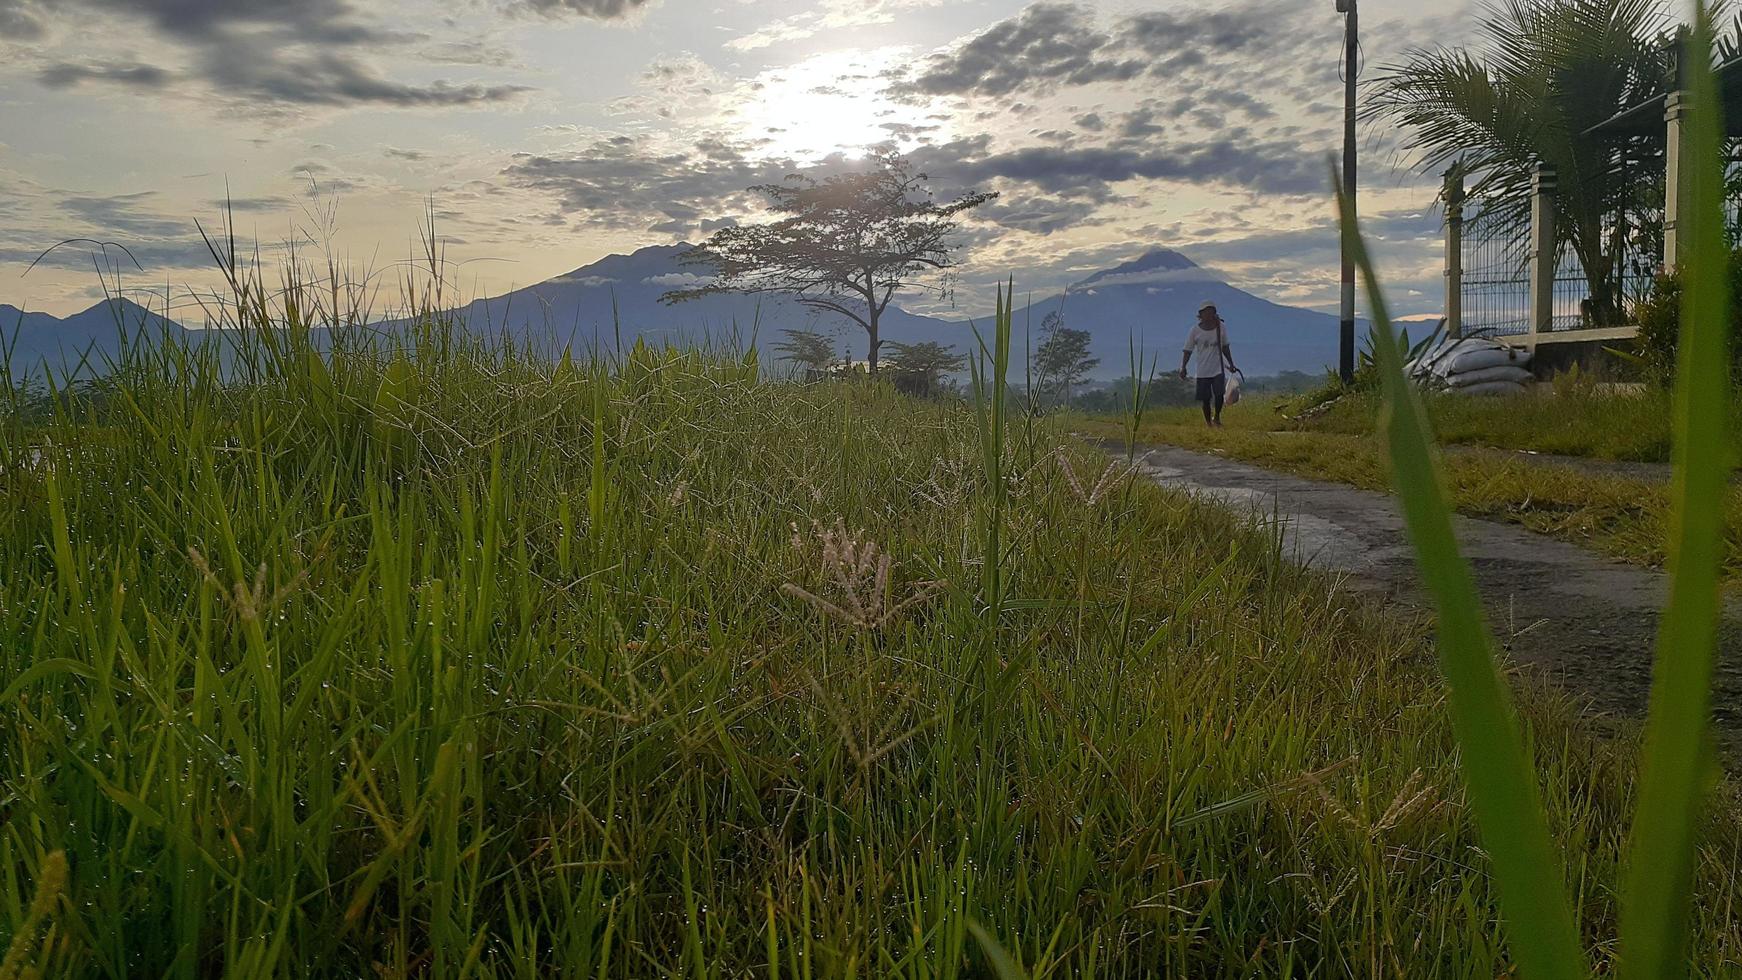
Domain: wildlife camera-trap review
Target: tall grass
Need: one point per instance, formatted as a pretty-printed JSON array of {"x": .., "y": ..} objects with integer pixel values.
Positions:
[
  {"x": 429, "y": 657},
  {"x": 409, "y": 654},
  {"x": 1676, "y": 769}
]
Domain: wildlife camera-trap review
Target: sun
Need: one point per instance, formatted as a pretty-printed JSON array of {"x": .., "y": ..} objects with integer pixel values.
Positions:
[{"x": 835, "y": 103}]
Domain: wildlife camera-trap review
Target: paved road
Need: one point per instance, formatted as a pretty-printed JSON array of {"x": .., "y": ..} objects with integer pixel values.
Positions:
[{"x": 1584, "y": 620}]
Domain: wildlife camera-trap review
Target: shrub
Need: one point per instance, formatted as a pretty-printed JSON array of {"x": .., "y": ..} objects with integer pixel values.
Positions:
[{"x": 1659, "y": 316}]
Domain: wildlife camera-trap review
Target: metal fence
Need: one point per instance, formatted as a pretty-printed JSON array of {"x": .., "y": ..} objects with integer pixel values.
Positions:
[
  {"x": 1496, "y": 280},
  {"x": 1495, "y": 291},
  {"x": 1634, "y": 272}
]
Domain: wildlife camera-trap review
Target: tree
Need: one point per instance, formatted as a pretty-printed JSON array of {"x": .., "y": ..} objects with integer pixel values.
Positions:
[
  {"x": 846, "y": 244},
  {"x": 1544, "y": 74},
  {"x": 1062, "y": 360},
  {"x": 809, "y": 349},
  {"x": 919, "y": 368}
]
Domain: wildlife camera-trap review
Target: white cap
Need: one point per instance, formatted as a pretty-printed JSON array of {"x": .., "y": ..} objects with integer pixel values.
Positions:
[{"x": 1206, "y": 305}]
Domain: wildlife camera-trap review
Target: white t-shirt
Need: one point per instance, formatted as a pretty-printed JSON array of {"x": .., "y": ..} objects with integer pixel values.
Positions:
[{"x": 1207, "y": 345}]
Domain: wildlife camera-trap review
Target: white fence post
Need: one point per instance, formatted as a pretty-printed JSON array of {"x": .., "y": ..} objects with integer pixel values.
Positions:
[
  {"x": 1673, "y": 110},
  {"x": 1672, "y": 174},
  {"x": 1544, "y": 254}
]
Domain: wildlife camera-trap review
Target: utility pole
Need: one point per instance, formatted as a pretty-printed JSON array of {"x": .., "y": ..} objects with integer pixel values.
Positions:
[{"x": 1351, "y": 69}]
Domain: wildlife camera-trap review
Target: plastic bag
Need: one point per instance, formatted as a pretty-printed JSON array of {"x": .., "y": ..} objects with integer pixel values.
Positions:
[{"x": 1233, "y": 393}]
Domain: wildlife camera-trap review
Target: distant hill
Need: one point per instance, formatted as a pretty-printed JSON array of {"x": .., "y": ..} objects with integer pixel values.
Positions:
[
  {"x": 618, "y": 298},
  {"x": 1153, "y": 299},
  {"x": 84, "y": 342}
]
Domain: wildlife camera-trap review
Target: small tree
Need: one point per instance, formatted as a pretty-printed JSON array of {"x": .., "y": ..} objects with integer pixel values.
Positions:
[
  {"x": 846, "y": 244},
  {"x": 1062, "y": 360},
  {"x": 809, "y": 349},
  {"x": 919, "y": 368}
]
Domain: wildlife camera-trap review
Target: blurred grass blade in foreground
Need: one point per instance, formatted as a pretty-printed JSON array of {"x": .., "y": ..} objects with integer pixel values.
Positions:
[
  {"x": 1674, "y": 770},
  {"x": 1497, "y": 770}
]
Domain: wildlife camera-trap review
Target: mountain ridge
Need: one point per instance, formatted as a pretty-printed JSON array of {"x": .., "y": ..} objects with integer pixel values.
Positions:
[
  {"x": 80, "y": 341},
  {"x": 1151, "y": 299}
]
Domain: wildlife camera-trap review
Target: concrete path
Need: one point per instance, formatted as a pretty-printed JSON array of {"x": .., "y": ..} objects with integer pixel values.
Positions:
[{"x": 1586, "y": 621}]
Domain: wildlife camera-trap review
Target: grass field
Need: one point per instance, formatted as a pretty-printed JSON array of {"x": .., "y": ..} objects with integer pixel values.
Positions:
[
  {"x": 428, "y": 662},
  {"x": 1568, "y": 418},
  {"x": 1620, "y": 513}
]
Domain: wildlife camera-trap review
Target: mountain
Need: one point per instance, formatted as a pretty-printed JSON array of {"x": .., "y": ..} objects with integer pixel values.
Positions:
[
  {"x": 617, "y": 298},
  {"x": 1154, "y": 299},
  {"x": 90, "y": 338}
]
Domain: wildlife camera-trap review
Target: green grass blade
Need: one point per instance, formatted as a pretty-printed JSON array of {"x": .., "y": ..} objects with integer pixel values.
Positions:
[
  {"x": 1497, "y": 769},
  {"x": 1002, "y": 962},
  {"x": 1676, "y": 762}
]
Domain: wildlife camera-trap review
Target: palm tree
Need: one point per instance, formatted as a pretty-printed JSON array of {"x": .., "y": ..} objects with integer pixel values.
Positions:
[{"x": 1543, "y": 73}]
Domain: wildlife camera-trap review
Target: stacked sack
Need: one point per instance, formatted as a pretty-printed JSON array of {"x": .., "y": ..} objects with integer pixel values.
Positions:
[{"x": 1474, "y": 366}]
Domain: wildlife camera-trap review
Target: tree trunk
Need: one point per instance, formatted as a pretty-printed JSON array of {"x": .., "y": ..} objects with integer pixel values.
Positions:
[{"x": 871, "y": 354}]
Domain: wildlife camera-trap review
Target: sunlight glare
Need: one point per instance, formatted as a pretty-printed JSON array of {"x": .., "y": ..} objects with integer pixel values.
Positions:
[{"x": 836, "y": 102}]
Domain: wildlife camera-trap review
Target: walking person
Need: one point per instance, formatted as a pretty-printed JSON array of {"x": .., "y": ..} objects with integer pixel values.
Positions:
[{"x": 1208, "y": 344}]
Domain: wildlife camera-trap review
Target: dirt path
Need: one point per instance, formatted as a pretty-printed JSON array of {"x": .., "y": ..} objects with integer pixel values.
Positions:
[{"x": 1585, "y": 621}]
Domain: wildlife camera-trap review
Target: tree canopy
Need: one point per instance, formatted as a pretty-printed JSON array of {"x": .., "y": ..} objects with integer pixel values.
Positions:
[
  {"x": 1062, "y": 360},
  {"x": 810, "y": 349},
  {"x": 846, "y": 244},
  {"x": 919, "y": 368}
]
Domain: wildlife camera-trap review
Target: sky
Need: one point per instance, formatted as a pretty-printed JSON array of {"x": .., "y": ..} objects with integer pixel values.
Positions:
[{"x": 542, "y": 135}]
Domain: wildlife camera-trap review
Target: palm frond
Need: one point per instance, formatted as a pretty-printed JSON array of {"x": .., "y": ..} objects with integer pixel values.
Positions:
[{"x": 1542, "y": 75}]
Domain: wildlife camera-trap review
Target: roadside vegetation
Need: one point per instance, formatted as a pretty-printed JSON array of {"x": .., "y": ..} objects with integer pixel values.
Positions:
[
  {"x": 1601, "y": 501},
  {"x": 1500, "y": 763},
  {"x": 425, "y": 657},
  {"x": 1567, "y": 417}
]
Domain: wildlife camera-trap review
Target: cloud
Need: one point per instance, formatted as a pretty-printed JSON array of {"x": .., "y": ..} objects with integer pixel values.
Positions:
[
  {"x": 591, "y": 9},
  {"x": 674, "y": 84},
  {"x": 829, "y": 15},
  {"x": 318, "y": 21},
  {"x": 21, "y": 20},
  {"x": 678, "y": 280},
  {"x": 650, "y": 185},
  {"x": 1196, "y": 273},
  {"x": 1319, "y": 241},
  {"x": 160, "y": 237},
  {"x": 190, "y": 253},
  {"x": 127, "y": 75},
  {"x": 250, "y": 204},
  {"x": 269, "y": 55},
  {"x": 637, "y": 182},
  {"x": 330, "y": 78},
  {"x": 1251, "y": 62},
  {"x": 1048, "y": 44},
  {"x": 468, "y": 52},
  {"x": 1233, "y": 159},
  {"x": 1040, "y": 214},
  {"x": 124, "y": 213}
]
